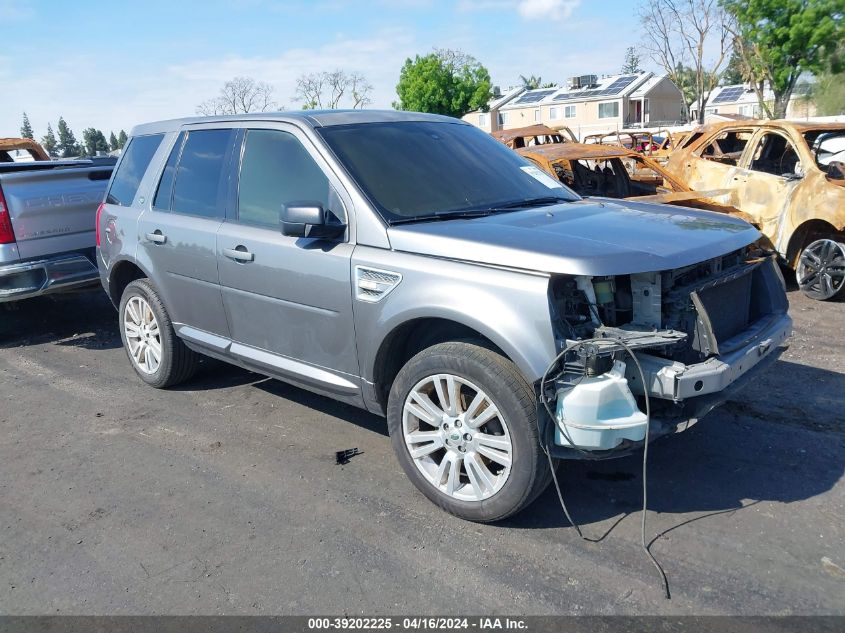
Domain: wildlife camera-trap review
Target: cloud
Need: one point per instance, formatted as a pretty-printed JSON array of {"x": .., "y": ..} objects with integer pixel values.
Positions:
[
  {"x": 88, "y": 90},
  {"x": 547, "y": 9},
  {"x": 15, "y": 10}
]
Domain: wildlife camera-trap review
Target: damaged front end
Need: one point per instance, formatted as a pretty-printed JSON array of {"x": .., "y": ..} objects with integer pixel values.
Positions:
[{"x": 697, "y": 333}]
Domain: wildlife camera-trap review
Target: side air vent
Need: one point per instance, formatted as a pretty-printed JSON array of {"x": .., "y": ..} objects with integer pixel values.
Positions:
[{"x": 372, "y": 284}]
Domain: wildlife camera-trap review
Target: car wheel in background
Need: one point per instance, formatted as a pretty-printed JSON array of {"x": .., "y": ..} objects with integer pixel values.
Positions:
[{"x": 821, "y": 269}]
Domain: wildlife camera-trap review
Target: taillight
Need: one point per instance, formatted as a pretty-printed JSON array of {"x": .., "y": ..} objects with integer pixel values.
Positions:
[
  {"x": 97, "y": 223},
  {"x": 7, "y": 234}
]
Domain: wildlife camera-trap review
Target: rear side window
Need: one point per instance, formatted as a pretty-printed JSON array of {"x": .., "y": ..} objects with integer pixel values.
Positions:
[
  {"x": 136, "y": 158},
  {"x": 200, "y": 187},
  {"x": 164, "y": 193},
  {"x": 276, "y": 170}
]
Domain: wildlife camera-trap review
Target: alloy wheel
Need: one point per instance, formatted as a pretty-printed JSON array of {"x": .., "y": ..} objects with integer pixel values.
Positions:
[
  {"x": 457, "y": 437},
  {"x": 821, "y": 269},
  {"x": 143, "y": 338}
]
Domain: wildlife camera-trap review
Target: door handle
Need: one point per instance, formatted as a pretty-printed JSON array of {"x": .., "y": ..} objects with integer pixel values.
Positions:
[
  {"x": 239, "y": 253},
  {"x": 157, "y": 237}
]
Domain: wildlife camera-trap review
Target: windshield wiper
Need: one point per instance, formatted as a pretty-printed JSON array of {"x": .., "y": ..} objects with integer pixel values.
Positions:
[
  {"x": 480, "y": 213},
  {"x": 448, "y": 215},
  {"x": 530, "y": 202}
]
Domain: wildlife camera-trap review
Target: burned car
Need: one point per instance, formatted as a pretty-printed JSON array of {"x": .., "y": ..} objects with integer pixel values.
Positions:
[
  {"x": 612, "y": 171},
  {"x": 534, "y": 135},
  {"x": 788, "y": 178}
]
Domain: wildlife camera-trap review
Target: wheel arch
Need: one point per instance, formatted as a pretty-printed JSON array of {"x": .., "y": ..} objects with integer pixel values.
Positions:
[
  {"x": 122, "y": 273},
  {"x": 413, "y": 335},
  {"x": 805, "y": 233}
]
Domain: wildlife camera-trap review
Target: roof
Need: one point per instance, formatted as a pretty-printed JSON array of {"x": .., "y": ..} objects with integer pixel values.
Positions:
[
  {"x": 531, "y": 130},
  {"x": 10, "y": 144},
  {"x": 610, "y": 87},
  {"x": 310, "y": 118},
  {"x": 798, "y": 126},
  {"x": 577, "y": 151},
  {"x": 745, "y": 93}
]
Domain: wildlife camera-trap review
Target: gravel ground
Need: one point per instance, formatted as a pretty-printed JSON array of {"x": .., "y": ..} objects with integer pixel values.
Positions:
[{"x": 223, "y": 496}]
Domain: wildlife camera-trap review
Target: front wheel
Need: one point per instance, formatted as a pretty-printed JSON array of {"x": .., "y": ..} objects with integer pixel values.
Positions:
[
  {"x": 821, "y": 269},
  {"x": 462, "y": 421}
]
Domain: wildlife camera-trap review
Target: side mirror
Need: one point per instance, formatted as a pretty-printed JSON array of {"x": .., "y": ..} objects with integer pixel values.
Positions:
[
  {"x": 836, "y": 170},
  {"x": 309, "y": 219}
]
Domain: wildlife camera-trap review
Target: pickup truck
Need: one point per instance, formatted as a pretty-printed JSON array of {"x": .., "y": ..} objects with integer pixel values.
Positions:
[
  {"x": 47, "y": 211},
  {"x": 412, "y": 265}
]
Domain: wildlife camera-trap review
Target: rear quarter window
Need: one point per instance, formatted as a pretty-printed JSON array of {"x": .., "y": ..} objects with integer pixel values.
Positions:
[{"x": 136, "y": 158}]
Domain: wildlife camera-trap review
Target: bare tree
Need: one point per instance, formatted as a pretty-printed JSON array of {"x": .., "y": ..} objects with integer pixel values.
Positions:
[
  {"x": 240, "y": 95},
  {"x": 361, "y": 90},
  {"x": 690, "y": 40},
  {"x": 327, "y": 89}
]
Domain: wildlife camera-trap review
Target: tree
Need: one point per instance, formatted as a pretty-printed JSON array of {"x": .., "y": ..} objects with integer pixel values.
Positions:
[
  {"x": 632, "y": 62},
  {"x": 778, "y": 40},
  {"x": 94, "y": 141},
  {"x": 693, "y": 34},
  {"x": 121, "y": 140},
  {"x": 325, "y": 90},
  {"x": 49, "y": 143},
  {"x": 531, "y": 83},
  {"x": 732, "y": 74},
  {"x": 67, "y": 145},
  {"x": 26, "y": 128},
  {"x": 113, "y": 144},
  {"x": 830, "y": 94},
  {"x": 443, "y": 82},
  {"x": 240, "y": 95}
]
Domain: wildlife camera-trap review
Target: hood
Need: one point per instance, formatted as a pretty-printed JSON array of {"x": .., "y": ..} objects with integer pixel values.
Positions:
[{"x": 587, "y": 237}]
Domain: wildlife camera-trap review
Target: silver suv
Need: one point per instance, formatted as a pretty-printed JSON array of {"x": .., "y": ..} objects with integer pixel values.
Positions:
[{"x": 411, "y": 265}]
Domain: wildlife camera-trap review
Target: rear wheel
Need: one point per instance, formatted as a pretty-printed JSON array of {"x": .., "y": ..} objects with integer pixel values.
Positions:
[
  {"x": 462, "y": 421},
  {"x": 821, "y": 269},
  {"x": 158, "y": 356}
]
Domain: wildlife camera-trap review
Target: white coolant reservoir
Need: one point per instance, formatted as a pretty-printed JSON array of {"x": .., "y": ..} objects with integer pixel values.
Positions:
[{"x": 599, "y": 412}]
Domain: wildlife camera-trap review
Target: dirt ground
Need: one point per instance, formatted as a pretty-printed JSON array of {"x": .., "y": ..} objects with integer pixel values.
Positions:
[{"x": 222, "y": 496}]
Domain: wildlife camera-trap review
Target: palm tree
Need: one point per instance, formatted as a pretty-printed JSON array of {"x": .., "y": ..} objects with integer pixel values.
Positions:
[{"x": 531, "y": 83}]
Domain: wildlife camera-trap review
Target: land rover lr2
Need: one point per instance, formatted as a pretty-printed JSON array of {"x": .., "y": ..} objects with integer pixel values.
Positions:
[{"x": 412, "y": 265}]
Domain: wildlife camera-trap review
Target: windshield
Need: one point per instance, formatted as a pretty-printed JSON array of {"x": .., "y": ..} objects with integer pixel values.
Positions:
[{"x": 416, "y": 169}]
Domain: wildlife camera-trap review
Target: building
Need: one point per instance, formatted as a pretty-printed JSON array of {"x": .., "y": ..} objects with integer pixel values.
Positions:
[
  {"x": 589, "y": 105},
  {"x": 741, "y": 99},
  {"x": 488, "y": 121}
]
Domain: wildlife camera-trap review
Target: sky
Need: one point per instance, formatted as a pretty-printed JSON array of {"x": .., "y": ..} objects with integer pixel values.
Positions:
[{"x": 113, "y": 64}]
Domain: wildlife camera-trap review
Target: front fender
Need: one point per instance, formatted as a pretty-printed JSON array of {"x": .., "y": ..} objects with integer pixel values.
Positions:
[{"x": 508, "y": 307}]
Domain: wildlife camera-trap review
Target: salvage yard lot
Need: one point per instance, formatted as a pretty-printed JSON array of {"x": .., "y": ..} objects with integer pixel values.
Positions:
[{"x": 223, "y": 496}]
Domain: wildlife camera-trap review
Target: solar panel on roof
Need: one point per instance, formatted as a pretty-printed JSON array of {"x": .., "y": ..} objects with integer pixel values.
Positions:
[
  {"x": 534, "y": 97},
  {"x": 729, "y": 94},
  {"x": 619, "y": 85}
]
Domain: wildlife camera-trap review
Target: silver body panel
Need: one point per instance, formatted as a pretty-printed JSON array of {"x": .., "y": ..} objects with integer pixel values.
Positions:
[
  {"x": 294, "y": 311},
  {"x": 51, "y": 206}
]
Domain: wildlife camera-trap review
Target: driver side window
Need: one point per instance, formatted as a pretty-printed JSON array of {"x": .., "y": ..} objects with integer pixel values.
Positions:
[
  {"x": 775, "y": 154},
  {"x": 275, "y": 170}
]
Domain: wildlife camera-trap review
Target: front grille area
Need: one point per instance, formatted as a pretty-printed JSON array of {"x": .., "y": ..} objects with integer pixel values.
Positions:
[{"x": 732, "y": 307}]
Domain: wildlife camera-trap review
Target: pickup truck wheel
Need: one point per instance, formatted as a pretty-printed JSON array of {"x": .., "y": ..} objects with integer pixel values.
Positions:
[
  {"x": 462, "y": 421},
  {"x": 821, "y": 269},
  {"x": 157, "y": 355}
]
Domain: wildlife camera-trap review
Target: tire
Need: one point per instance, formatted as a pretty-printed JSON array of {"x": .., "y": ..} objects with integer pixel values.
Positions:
[
  {"x": 820, "y": 272},
  {"x": 176, "y": 363},
  {"x": 509, "y": 430}
]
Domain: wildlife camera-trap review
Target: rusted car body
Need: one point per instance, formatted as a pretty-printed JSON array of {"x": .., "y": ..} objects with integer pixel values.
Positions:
[
  {"x": 789, "y": 179},
  {"x": 657, "y": 145},
  {"x": 616, "y": 172},
  {"x": 9, "y": 145},
  {"x": 532, "y": 135}
]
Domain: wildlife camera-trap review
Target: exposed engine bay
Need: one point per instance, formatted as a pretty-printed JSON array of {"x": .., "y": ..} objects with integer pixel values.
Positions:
[{"x": 691, "y": 329}]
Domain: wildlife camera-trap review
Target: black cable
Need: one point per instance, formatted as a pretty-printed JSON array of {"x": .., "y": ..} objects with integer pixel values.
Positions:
[{"x": 564, "y": 432}]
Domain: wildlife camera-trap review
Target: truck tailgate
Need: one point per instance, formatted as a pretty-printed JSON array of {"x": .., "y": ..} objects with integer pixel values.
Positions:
[{"x": 52, "y": 210}]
